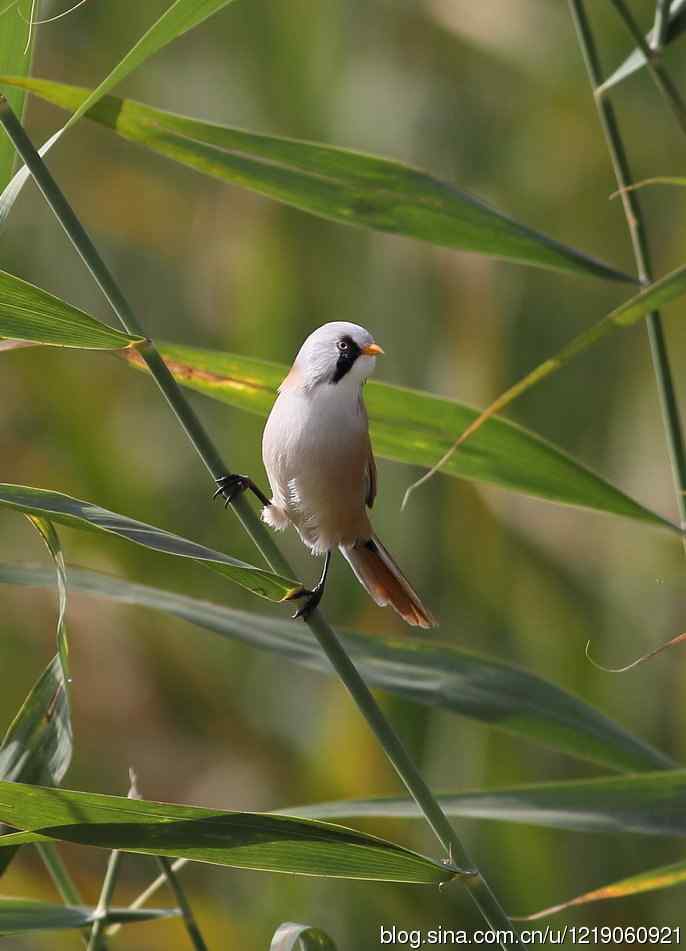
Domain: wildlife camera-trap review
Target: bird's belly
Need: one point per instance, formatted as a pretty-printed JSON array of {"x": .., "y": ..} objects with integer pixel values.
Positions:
[{"x": 316, "y": 465}]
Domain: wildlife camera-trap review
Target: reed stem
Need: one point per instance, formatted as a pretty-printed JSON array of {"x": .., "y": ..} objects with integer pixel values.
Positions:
[
  {"x": 661, "y": 24},
  {"x": 635, "y": 223},
  {"x": 657, "y": 70}
]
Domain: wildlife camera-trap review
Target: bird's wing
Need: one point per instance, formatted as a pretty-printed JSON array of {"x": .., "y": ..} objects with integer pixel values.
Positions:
[{"x": 371, "y": 479}]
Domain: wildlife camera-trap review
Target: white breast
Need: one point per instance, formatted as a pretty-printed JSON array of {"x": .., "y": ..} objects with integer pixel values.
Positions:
[{"x": 316, "y": 450}]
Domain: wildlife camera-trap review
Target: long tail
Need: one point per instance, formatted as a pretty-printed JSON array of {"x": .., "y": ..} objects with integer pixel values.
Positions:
[{"x": 385, "y": 582}]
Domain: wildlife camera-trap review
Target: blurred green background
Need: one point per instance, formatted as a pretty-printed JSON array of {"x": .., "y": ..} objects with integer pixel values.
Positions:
[{"x": 493, "y": 97}]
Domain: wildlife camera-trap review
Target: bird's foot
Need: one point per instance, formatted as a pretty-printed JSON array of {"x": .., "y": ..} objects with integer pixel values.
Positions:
[
  {"x": 232, "y": 485},
  {"x": 312, "y": 599}
]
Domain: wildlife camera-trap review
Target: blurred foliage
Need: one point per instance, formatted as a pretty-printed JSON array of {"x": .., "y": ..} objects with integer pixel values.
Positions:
[{"x": 490, "y": 96}]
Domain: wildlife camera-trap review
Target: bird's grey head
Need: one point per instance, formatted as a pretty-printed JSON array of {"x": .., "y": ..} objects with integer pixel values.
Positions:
[{"x": 337, "y": 353}]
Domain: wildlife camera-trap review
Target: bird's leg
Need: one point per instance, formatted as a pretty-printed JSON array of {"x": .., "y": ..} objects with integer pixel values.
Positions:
[
  {"x": 231, "y": 485},
  {"x": 314, "y": 596}
]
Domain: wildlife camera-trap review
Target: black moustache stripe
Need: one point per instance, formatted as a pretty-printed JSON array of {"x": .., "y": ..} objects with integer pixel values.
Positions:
[{"x": 346, "y": 359}]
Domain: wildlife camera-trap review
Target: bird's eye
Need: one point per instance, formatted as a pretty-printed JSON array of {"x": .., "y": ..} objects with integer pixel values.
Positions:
[{"x": 343, "y": 345}]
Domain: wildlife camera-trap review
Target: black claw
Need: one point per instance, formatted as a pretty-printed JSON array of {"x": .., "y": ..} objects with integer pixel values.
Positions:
[
  {"x": 231, "y": 486},
  {"x": 312, "y": 600},
  {"x": 314, "y": 596}
]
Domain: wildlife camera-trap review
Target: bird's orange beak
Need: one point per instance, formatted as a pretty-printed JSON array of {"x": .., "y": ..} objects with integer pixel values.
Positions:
[{"x": 372, "y": 350}]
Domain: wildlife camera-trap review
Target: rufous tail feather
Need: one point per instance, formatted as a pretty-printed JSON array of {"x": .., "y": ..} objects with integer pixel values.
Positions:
[{"x": 376, "y": 570}]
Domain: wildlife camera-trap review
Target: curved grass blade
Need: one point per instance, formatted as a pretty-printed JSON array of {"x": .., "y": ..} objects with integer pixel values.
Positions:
[
  {"x": 180, "y": 16},
  {"x": 415, "y": 427},
  {"x": 650, "y": 299},
  {"x": 432, "y": 673},
  {"x": 22, "y": 915},
  {"x": 14, "y": 58},
  {"x": 13, "y": 188},
  {"x": 47, "y": 532},
  {"x": 28, "y": 313},
  {"x": 667, "y": 876},
  {"x": 39, "y": 743},
  {"x": 291, "y": 936},
  {"x": 636, "y": 60},
  {"x": 235, "y": 839},
  {"x": 343, "y": 186},
  {"x": 672, "y": 642},
  {"x": 677, "y": 180},
  {"x": 84, "y": 515},
  {"x": 640, "y": 804}
]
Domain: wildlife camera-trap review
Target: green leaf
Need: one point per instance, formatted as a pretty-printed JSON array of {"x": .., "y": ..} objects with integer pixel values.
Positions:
[
  {"x": 653, "y": 880},
  {"x": 348, "y": 187},
  {"x": 37, "y": 747},
  {"x": 47, "y": 532},
  {"x": 432, "y": 673},
  {"x": 178, "y": 18},
  {"x": 236, "y": 839},
  {"x": 39, "y": 743},
  {"x": 291, "y": 936},
  {"x": 416, "y": 427},
  {"x": 650, "y": 299},
  {"x": 84, "y": 515},
  {"x": 636, "y": 60},
  {"x": 20, "y": 915},
  {"x": 15, "y": 58},
  {"x": 29, "y": 313},
  {"x": 642, "y": 804}
]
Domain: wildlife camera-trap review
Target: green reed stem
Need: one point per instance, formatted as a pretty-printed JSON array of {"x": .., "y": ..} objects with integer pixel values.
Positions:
[
  {"x": 634, "y": 217},
  {"x": 64, "y": 883},
  {"x": 660, "y": 75},
  {"x": 97, "y": 939},
  {"x": 184, "y": 905},
  {"x": 661, "y": 24},
  {"x": 149, "y": 891},
  {"x": 388, "y": 738}
]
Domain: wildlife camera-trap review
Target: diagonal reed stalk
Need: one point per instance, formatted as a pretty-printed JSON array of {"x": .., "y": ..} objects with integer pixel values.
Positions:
[
  {"x": 661, "y": 24},
  {"x": 457, "y": 856},
  {"x": 97, "y": 938},
  {"x": 636, "y": 225},
  {"x": 660, "y": 76},
  {"x": 63, "y": 882},
  {"x": 184, "y": 905}
]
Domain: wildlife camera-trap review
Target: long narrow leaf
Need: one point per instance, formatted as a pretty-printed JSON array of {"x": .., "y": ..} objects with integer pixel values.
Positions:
[
  {"x": 236, "y": 839},
  {"x": 178, "y": 18},
  {"x": 15, "y": 58},
  {"x": 343, "y": 186},
  {"x": 13, "y": 188},
  {"x": 29, "y": 313},
  {"x": 415, "y": 427},
  {"x": 21, "y": 915},
  {"x": 667, "y": 876},
  {"x": 37, "y": 746},
  {"x": 640, "y": 804},
  {"x": 84, "y": 515},
  {"x": 39, "y": 743},
  {"x": 654, "y": 297},
  {"x": 435, "y": 674}
]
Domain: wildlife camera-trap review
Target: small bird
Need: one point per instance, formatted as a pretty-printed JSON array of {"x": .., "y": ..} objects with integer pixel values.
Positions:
[{"x": 321, "y": 469}]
